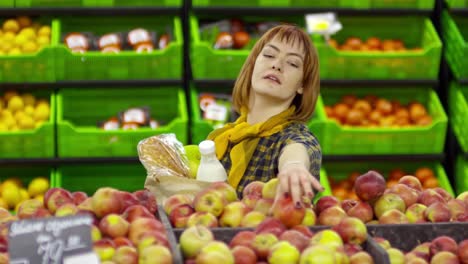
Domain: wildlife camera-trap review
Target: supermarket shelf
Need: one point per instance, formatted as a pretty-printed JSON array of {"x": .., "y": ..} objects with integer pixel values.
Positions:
[
  {"x": 84, "y": 160},
  {"x": 459, "y": 11},
  {"x": 94, "y": 83},
  {"x": 370, "y": 83},
  {"x": 463, "y": 81},
  {"x": 91, "y": 11},
  {"x": 284, "y": 11}
]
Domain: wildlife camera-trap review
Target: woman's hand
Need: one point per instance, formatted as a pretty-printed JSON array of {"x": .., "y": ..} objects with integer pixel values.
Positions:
[{"x": 295, "y": 180}]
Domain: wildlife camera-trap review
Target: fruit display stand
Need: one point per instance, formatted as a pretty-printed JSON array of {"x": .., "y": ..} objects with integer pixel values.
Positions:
[
  {"x": 458, "y": 112},
  {"x": 420, "y": 4},
  {"x": 201, "y": 128},
  {"x": 127, "y": 64},
  {"x": 338, "y": 171},
  {"x": 88, "y": 178},
  {"x": 420, "y": 61},
  {"x": 461, "y": 174},
  {"x": 455, "y": 34},
  {"x": 406, "y": 237},
  {"x": 32, "y": 67},
  {"x": 38, "y": 142},
  {"x": 80, "y": 110},
  {"x": 350, "y": 140}
]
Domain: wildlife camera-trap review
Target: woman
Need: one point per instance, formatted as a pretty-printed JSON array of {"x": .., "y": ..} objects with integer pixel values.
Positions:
[{"x": 275, "y": 94}]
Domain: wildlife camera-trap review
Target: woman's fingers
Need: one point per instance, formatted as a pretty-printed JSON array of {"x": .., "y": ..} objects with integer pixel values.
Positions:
[
  {"x": 296, "y": 190},
  {"x": 316, "y": 184},
  {"x": 306, "y": 186}
]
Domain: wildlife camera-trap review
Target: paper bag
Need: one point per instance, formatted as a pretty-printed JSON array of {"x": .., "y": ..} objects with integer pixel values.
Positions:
[{"x": 167, "y": 169}]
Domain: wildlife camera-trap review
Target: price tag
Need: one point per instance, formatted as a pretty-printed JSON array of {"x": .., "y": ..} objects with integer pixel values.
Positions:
[
  {"x": 325, "y": 24},
  {"x": 216, "y": 112},
  {"x": 53, "y": 240}
]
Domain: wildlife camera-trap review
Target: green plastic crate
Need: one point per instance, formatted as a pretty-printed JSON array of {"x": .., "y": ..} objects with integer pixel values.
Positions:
[
  {"x": 461, "y": 176},
  {"x": 458, "y": 112},
  {"x": 325, "y": 184},
  {"x": 393, "y": 140},
  {"x": 35, "y": 67},
  {"x": 457, "y": 3},
  {"x": 168, "y": 3},
  {"x": 79, "y": 111},
  {"x": 208, "y": 63},
  {"x": 363, "y": 4},
  {"x": 455, "y": 34},
  {"x": 419, "y": 32},
  {"x": 27, "y": 173},
  {"x": 90, "y": 177},
  {"x": 7, "y": 3},
  {"x": 342, "y": 170},
  {"x": 94, "y": 65},
  {"x": 33, "y": 143},
  {"x": 49, "y": 3}
]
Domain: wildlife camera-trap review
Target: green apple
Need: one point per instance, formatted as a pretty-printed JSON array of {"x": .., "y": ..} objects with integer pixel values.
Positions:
[
  {"x": 283, "y": 253},
  {"x": 327, "y": 237},
  {"x": 317, "y": 254},
  {"x": 269, "y": 189},
  {"x": 193, "y": 156},
  {"x": 215, "y": 252},
  {"x": 193, "y": 239},
  {"x": 233, "y": 214},
  {"x": 396, "y": 256}
]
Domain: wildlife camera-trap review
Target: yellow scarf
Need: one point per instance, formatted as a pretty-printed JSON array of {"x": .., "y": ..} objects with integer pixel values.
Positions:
[{"x": 245, "y": 138}]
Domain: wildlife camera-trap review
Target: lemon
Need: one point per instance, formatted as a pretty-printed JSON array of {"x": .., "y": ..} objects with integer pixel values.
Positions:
[
  {"x": 6, "y": 114},
  {"x": 24, "y": 194},
  {"x": 26, "y": 122},
  {"x": 1, "y": 33},
  {"x": 9, "y": 36},
  {"x": 24, "y": 21},
  {"x": 3, "y": 204},
  {"x": 15, "y": 180},
  {"x": 39, "y": 197},
  {"x": 3, "y": 127},
  {"x": 15, "y": 103},
  {"x": 11, "y": 195},
  {"x": 9, "y": 122},
  {"x": 43, "y": 41},
  {"x": 42, "y": 112},
  {"x": 11, "y": 25},
  {"x": 29, "y": 33},
  {"x": 18, "y": 115},
  {"x": 38, "y": 186},
  {"x": 14, "y": 128},
  {"x": 28, "y": 99},
  {"x": 15, "y": 51},
  {"x": 29, "y": 47},
  {"x": 6, "y": 47},
  {"x": 29, "y": 110},
  {"x": 44, "y": 31},
  {"x": 20, "y": 40}
]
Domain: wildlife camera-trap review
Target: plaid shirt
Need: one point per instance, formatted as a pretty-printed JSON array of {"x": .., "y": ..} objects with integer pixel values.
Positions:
[{"x": 264, "y": 163}]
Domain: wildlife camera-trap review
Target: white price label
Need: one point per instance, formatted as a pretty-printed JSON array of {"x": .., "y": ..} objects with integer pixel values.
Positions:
[
  {"x": 323, "y": 23},
  {"x": 88, "y": 258},
  {"x": 216, "y": 112}
]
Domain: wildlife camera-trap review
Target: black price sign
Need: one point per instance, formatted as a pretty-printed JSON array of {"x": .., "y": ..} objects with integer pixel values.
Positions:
[{"x": 53, "y": 240}]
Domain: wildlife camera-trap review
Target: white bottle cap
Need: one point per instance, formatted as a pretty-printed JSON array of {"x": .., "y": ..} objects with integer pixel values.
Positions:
[{"x": 206, "y": 147}]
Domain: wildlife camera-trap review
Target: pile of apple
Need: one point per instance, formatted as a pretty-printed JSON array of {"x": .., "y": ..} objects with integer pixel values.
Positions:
[
  {"x": 125, "y": 229},
  {"x": 370, "y": 44},
  {"x": 272, "y": 242},
  {"x": 404, "y": 202},
  {"x": 441, "y": 250},
  {"x": 343, "y": 189},
  {"x": 219, "y": 206},
  {"x": 374, "y": 111}
]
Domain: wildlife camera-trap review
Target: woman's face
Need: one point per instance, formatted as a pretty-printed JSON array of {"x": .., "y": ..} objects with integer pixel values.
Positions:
[{"x": 278, "y": 70}]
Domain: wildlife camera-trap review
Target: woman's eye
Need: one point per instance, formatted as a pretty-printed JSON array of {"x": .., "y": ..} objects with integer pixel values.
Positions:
[
  {"x": 295, "y": 65},
  {"x": 268, "y": 55}
]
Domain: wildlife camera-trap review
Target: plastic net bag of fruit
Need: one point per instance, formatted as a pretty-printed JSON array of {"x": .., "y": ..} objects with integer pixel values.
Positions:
[{"x": 168, "y": 168}]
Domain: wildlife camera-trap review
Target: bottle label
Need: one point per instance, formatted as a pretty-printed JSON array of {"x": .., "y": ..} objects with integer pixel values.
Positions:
[
  {"x": 108, "y": 40},
  {"x": 138, "y": 36},
  {"x": 76, "y": 41}
]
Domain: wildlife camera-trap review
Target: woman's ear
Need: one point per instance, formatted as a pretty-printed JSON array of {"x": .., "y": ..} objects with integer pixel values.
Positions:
[{"x": 300, "y": 90}]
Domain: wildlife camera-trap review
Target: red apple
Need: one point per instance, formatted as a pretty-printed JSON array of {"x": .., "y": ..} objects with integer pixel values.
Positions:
[
  {"x": 136, "y": 211},
  {"x": 252, "y": 219},
  {"x": 233, "y": 214},
  {"x": 27, "y": 208},
  {"x": 147, "y": 199},
  {"x": 4, "y": 258},
  {"x": 141, "y": 226},
  {"x": 464, "y": 197},
  {"x": 126, "y": 254},
  {"x": 251, "y": 200},
  {"x": 253, "y": 188},
  {"x": 305, "y": 230},
  {"x": 193, "y": 239},
  {"x": 210, "y": 201},
  {"x": 66, "y": 209},
  {"x": 122, "y": 241},
  {"x": 412, "y": 182},
  {"x": 152, "y": 238},
  {"x": 457, "y": 207},
  {"x": 263, "y": 205},
  {"x": 393, "y": 216},
  {"x": 422, "y": 251},
  {"x": 463, "y": 251},
  {"x": 79, "y": 197},
  {"x": 348, "y": 204},
  {"x": 443, "y": 243},
  {"x": 295, "y": 238},
  {"x": 446, "y": 195},
  {"x": 352, "y": 230},
  {"x": 331, "y": 216},
  {"x": 415, "y": 213},
  {"x": 369, "y": 186},
  {"x": 114, "y": 225},
  {"x": 429, "y": 196},
  {"x": 86, "y": 205},
  {"x": 104, "y": 248},
  {"x": 271, "y": 225},
  {"x": 244, "y": 255},
  {"x": 387, "y": 202},
  {"x": 361, "y": 210},
  {"x": 325, "y": 202},
  {"x": 55, "y": 197},
  {"x": 437, "y": 212},
  {"x": 202, "y": 218},
  {"x": 351, "y": 249},
  {"x": 175, "y": 200},
  {"x": 412, "y": 258},
  {"x": 409, "y": 195},
  {"x": 127, "y": 199},
  {"x": 289, "y": 214},
  {"x": 242, "y": 238},
  {"x": 361, "y": 257},
  {"x": 161, "y": 253},
  {"x": 227, "y": 191},
  {"x": 215, "y": 252},
  {"x": 283, "y": 252},
  {"x": 41, "y": 213},
  {"x": 179, "y": 216},
  {"x": 262, "y": 244},
  {"x": 445, "y": 257},
  {"x": 106, "y": 201}
]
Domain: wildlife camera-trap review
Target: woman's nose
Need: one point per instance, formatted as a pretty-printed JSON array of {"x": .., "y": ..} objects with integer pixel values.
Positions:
[{"x": 275, "y": 67}]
